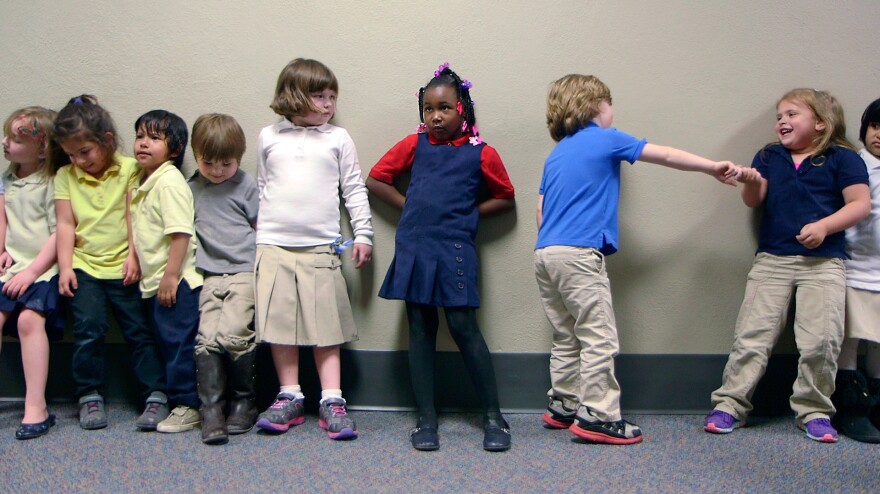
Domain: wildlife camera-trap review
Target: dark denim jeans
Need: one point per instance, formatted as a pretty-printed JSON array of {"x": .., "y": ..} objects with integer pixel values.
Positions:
[
  {"x": 90, "y": 323},
  {"x": 176, "y": 329}
]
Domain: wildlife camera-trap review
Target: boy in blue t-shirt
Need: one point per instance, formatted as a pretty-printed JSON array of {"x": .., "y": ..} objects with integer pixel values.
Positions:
[{"x": 577, "y": 228}]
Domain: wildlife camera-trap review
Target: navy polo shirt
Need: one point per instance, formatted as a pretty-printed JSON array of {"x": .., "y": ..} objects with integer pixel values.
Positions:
[{"x": 797, "y": 197}]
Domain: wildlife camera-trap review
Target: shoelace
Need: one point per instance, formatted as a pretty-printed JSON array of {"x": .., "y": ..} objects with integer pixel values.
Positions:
[
  {"x": 93, "y": 406},
  {"x": 338, "y": 410},
  {"x": 152, "y": 407},
  {"x": 280, "y": 403}
]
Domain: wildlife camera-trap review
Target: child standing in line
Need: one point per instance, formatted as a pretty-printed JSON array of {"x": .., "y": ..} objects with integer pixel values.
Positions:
[
  {"x": 96, "y": 267},
  {"x": 162, "y": 221},
  {"x": 303, "y": 163},
  {"x": 226, "y": 203},
  {"x": 811, "y": 186},
  {"x": 577, "y": 229},
  {"x": 29, "y": 286},
  {"x": 857, "y": 394},
  {"x": 435, "y": 258}
]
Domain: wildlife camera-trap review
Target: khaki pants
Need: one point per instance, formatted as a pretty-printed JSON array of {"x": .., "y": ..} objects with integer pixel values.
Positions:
[
  {"x": 227, "y": 315},
  {"x": 818, "y": 287},
  {"x": 576, "y": 295}
]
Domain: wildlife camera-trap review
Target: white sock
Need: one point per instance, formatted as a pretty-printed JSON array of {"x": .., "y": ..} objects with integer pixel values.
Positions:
[
  {"x": 330, "y": 393},
  {"x": 294, "y": 390}
]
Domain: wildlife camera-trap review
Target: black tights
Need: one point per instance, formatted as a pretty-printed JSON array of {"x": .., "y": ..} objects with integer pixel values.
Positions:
[{"x": 462, "y": 323}]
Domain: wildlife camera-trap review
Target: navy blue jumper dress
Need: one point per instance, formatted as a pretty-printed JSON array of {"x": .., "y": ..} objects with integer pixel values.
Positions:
[{"x": 435, "y": 259}]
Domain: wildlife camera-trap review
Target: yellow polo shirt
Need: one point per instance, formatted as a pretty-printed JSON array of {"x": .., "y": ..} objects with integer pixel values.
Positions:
[
  {"x": 163, "y": 205},
  {"x": 98, "y": 204},
  {"x": 30, "y": 216}
]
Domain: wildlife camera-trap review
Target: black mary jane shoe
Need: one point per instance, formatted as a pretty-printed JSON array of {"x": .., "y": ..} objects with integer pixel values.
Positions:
[
  {"x": 30, "y": 431},
  {"x": 496, "y": 436},
  {"x": 425, "y": 438}
]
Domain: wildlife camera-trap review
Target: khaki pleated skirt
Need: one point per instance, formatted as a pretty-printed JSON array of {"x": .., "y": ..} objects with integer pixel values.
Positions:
[
  {"x": 862, "y": 314},
  {"x": 301, "y": 297}
]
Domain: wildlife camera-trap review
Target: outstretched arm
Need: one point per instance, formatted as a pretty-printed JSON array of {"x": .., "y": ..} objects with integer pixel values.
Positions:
[
  {"x": 755, "y": 189},
  {"x": 723, "y": 171}
]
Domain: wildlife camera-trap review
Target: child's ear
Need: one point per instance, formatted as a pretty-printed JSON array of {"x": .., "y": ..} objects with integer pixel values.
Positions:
[{"x": 820, "y": 126}]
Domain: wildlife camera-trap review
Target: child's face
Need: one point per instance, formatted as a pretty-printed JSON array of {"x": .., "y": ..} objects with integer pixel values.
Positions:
[
  {"x": 872, "y": 138},
  {"x": 88, "y": 155},
  {"x": 605, "y": 118},
  {"x": 439, "y": 106},
  {"x": 325, "y": 100},
  {"x": 21, "y": 149},
  {"x": 797, "y": 126},
  {"x": 151, "y": 149},
  {"x": 219, "y": 170}
]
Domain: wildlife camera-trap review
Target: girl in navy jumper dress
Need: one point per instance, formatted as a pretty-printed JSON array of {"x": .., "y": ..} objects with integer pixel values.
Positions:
[{"x": 435, "y": 260}]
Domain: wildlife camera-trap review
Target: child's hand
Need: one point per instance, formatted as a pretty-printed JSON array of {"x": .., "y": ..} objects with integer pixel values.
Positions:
[
  {"x": 747, "y": 174},
  {"x": 131, "y": 271},
  {"x": 167, "y": 294},
  {"x": 19, "y": 284},
  {"x": 6, "y": 260},
  {"x": 67, "y": 282},
  {"x": 725, "y": 172},
  {"x": 812, "y": 235},
  {"x": 361, "y": 254}
]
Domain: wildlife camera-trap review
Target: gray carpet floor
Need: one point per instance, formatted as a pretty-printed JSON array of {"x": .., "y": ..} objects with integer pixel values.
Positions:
[{"x": 770, "y": 455}]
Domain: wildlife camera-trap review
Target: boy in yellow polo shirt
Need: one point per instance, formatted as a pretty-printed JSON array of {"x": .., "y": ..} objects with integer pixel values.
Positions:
[{"x": 163, "y": 226}]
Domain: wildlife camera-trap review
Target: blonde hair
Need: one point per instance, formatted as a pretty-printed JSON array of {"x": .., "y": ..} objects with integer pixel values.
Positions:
[
  {"x": 573, "y": 101},
  {"x": 217, "y": 136},
  {"x": 297, "y": 81},
  {"x": 38, "y": 123},
  {"x": 828, "y": 111}
]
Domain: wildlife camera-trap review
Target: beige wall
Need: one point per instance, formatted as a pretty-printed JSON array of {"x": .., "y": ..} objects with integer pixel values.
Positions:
[{"x": 702, "y": 76}]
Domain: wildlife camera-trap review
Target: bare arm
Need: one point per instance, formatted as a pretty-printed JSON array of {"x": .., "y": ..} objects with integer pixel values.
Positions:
[
  {"x": 65, "y": 234},
  {"x": 723, "y": 171},
  {"x": 386, "y": 192},
  {"x": 539, "y": 214},
  {"x": 857, "y": 206},
  {"x": 493, "y": 206},
  {"x": 755, "y": 189},
  {"x": 131, "y": 267},
  {"x": 168, "y": 285}
]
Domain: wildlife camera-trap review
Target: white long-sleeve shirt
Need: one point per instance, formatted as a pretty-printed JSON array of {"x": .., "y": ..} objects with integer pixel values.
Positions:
[
  {"x": 863, "y": 239},
  {"x": 300, "y": 174}
]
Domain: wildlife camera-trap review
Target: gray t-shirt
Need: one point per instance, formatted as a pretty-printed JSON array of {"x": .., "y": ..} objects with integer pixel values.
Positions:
[{"x": 226, "y": 214}]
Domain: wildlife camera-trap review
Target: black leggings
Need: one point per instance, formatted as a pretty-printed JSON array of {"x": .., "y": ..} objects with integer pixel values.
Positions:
[{"x": 462, "y": 323}]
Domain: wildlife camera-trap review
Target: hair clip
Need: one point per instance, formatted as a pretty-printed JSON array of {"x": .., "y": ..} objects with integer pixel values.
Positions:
[
  {"x": 459, "y": 108},
  {"x": 421, "y": 128},
  {"x": 441, "y": 68},
  {"x": 77, "y": 101},
  {"x": 30, "y": 128},
  {"x": 466, "y": 84}
]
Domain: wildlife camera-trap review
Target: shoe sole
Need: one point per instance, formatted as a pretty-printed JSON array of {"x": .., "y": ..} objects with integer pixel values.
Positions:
[
  {"x": 93, "y": 427},
  {"x": 552, "y": 423},
  {"x": 266, "y": 425},
  {"x": 345, "y": 433},
  {"x": 598, "y": 437},
  {"x": 174, "y": 429},
  {"x": 714, "y": 429}
]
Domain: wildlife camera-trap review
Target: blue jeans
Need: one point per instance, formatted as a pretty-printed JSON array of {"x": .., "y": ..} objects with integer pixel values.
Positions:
[
  {"x": 89, "y": 305},
  {"x": 176, "y": 329}
]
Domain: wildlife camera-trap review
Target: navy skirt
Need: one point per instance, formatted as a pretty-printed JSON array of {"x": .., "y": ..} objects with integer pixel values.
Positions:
[
  {"x": 42, "y": 297},
  {"x": 441, "y": 273}
]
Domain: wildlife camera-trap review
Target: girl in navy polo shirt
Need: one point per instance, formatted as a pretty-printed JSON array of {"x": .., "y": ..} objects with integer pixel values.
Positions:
[
  {"x": 811, "y": 186},
  {"x": 435, "y": 260}
]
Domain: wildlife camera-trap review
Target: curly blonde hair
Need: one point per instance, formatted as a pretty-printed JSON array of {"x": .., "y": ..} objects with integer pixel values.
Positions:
[{"x": 573, "y": 101}]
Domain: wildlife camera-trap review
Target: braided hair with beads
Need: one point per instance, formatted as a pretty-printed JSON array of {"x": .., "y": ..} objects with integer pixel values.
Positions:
[{"x": 444, "y": 76}]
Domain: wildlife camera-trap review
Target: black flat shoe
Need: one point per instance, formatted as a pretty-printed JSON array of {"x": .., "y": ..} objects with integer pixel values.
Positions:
[
  {"x": 425, "y": 438},
  {"x": 30, "y": 431},
  {"x": 496, "y": 436}
]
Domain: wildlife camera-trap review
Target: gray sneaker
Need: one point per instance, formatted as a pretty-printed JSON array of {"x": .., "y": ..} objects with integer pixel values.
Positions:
[
  {"x": 155, "y": 412},
  {"x": 286, "y": 411},
  {"x": 91, "y": 412},
  {"x": 333, "y": 418},
  {"x": 558, "y": 416}
]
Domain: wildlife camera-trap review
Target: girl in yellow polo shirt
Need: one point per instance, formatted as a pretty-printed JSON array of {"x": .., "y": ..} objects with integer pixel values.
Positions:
[{"x": 29, "y": 281}]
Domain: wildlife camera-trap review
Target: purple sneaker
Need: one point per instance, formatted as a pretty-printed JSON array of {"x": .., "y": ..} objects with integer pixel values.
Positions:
[
  {"x": 820, "y": 430},
  {"x": 334, "y": 418},
  {"x": 718, "y": 422},
  {"x": 286, "y": 411}
]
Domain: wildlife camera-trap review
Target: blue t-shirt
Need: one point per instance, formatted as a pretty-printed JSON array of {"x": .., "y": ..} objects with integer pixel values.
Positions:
[
  {"x": 798, "y": 196},
  {"x": 581, "y": 188}
]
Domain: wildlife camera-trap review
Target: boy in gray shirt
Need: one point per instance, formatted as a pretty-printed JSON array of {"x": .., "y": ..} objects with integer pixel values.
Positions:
[{"x": 226, "y": 202}]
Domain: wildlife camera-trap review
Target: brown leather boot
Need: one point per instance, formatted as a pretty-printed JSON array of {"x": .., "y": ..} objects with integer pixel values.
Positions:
[
  {"x": 212, "y": 383},
  {"x": 242, "y": 406}
]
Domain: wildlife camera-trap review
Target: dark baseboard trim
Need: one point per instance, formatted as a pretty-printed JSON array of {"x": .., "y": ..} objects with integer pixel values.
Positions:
[{"x": 658, "y": 384}]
